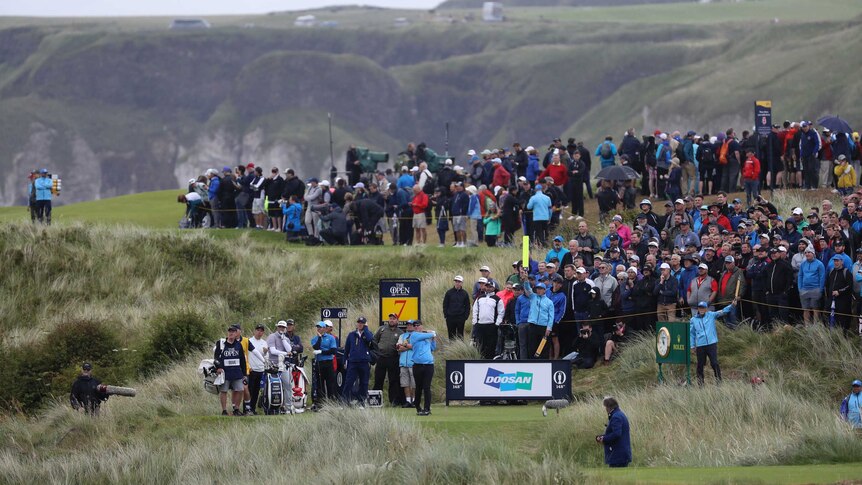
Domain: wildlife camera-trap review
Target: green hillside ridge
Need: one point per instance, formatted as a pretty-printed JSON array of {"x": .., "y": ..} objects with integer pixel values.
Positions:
[{"x": 120, "y": 106}]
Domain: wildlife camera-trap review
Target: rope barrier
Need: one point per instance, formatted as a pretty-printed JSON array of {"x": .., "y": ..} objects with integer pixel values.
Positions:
[{"x": 689, "y": 310}]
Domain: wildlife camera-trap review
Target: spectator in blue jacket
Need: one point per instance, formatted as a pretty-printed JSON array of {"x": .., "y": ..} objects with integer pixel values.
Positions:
[
  {"x": 558, "y": 298},
  {"x": 607, "y": 152},
  {"x": 43, "y": 186},
  {"x": 406, "y": 181},
  {"x": 557, "y": 251},
  {"x": 293, "y": 217},
  {"x": 704, "y": 337},
  {"x": 533, "y": 168},
  {"x": 460, "y": 205},
  {"x": 616, "y": 440},
  {"x": 325, "y": 346},
  {"x": 474, "y": 213},
  {"x": 423, "y": 344},
  {"x": 541, "y": 317},
  {"x": 522, "y": 318},
  {"x": 540, "y": 205},
  {"x": 357, "y": 350},
  {"x": 811, "y": 281}
]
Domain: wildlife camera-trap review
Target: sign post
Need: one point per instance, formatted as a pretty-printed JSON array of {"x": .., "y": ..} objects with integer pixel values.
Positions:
[
  {"x": 672, "y": 347},
  {"x": 763, "y": 117},
  {"x": 330, "y": 313},
  {"x": 401, "y": 296}
]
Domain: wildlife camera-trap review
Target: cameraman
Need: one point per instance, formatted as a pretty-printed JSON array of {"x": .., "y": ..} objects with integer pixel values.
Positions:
[
  {"x": 85, "y": 393},
  {"x": 587, "y": 348},
  {"x": 613, "y": 340}
]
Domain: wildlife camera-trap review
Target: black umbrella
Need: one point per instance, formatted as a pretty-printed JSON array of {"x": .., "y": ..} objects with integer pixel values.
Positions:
[
  {"x": 835, "y": 124},
  {"x": 617, "y": 172}
]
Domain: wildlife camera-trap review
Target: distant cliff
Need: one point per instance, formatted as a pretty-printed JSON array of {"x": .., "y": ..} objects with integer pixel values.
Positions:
[{"x": 117, "y": 111}]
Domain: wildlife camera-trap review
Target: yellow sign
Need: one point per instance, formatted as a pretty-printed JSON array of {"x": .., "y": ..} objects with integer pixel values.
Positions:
[
  {"x": 763, "y": 104},
  {"x": 407, "y": 308}
]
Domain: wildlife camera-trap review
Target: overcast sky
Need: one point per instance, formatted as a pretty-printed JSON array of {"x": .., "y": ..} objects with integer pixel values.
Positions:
[{"x": 89, "y": 8}]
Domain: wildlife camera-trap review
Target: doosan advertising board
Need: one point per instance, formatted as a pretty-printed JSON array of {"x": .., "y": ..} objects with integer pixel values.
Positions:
[{"x": 500, "y": 380}]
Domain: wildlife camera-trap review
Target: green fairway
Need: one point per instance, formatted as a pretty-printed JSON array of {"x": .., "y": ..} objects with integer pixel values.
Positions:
[
  {"x": 810, "y": 474},
  {"x": 156, "y": 210}
]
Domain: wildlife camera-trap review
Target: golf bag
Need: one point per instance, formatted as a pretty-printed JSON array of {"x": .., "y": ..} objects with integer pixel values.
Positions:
[
  {"x": 299, "y": 384},
  {"x": 272, "y": 398},
  {"x": 208, "y": 371},
  {"x": 275, "y": 398}
]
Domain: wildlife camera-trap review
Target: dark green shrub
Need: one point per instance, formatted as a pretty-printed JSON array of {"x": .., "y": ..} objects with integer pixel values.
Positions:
[
  {"x": 174, "y": 336},
  {"x": 47, "y": 368}
]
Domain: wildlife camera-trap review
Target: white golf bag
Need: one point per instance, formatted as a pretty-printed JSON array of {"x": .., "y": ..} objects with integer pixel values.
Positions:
[{"x": 208, "y": 371}]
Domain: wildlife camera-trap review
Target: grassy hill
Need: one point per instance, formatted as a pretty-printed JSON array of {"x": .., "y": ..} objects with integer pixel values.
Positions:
[
  {"x": 119, "y": 106},
  {"x": 143, "y": 304}
]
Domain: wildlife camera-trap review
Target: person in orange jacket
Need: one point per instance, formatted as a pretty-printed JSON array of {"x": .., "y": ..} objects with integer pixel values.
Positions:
[{"x": 751, "y": 176}]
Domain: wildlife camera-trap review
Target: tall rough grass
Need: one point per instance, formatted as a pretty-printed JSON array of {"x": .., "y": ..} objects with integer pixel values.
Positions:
[
  {"x": 131, "y": 279},
  {"x": 159, "y": 436},
  {"x": 734, "y": 424},
  {"x": 813, "y": 362}
]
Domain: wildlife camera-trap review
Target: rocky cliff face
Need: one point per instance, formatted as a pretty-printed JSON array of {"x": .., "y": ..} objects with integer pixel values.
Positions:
[{"x": 116, "y": 112}]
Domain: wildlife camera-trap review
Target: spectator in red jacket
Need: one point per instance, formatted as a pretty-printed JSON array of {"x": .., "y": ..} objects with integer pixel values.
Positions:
[
  {"x": 502, "y": 177},
  {"x": 751, "y": 176},
  {"x": 419, "y": 204},
  {"x": 557, "y": 171}
]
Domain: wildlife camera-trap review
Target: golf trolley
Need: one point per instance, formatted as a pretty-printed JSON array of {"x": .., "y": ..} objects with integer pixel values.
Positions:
[
  {"x": 275, "y": 399},
  {"x": 509, "y": 336}
]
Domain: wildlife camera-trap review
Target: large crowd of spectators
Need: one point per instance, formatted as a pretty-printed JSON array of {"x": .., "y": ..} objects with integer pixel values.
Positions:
[
  {"x": 492, "y": 195},
  {"x": 589, "y": 293}
]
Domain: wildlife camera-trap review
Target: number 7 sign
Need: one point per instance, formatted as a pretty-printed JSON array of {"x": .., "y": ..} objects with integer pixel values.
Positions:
[{"x": 401, "y": 297}]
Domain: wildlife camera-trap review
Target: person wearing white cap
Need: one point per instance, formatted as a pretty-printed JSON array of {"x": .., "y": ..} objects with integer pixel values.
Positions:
[
  {"x": 456, "y": 308},
  {"x": 731, "y": 284},
  {"x": 487, "y": 314},
  {"x": 702, "y": 287},
  {"x": 652, "y": 218},
  {"x": 667, "y": 290},
  {"x": 485, "y": 271}
]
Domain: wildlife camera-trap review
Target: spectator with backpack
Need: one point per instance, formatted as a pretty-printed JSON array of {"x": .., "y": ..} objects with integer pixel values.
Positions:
[
  {"x": 706, "y": 159},
  {"x": 851, "y": 406},
  {"x": 607, "y": 152}
]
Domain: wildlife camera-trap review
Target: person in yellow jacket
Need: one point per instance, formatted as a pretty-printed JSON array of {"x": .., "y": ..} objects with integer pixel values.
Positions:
[
  {"x": 248, "y": 408},
  {"x": 845, "y": 175}
]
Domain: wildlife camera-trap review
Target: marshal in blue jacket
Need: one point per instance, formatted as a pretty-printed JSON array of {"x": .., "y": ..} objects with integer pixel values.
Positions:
[{"x": 703, "y": 331}]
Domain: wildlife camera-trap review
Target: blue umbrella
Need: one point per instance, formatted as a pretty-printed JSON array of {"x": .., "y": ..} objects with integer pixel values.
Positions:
[{"x": 835, "y": 124}]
